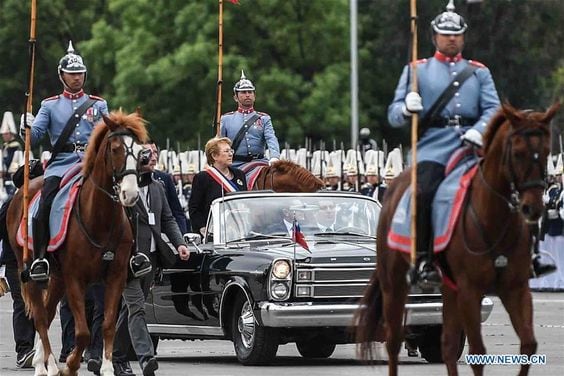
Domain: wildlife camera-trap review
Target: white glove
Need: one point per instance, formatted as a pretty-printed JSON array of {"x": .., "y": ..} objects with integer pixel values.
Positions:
[
  {"x": 412, "y": 104},
  {"x": 28, "y": 122},
  {"x": 272, "y": 160},
  {"x": 472, "y": 137}
]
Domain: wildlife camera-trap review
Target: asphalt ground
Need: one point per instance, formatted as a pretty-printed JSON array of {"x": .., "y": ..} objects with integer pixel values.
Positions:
[{"x": 180, "y": 358}]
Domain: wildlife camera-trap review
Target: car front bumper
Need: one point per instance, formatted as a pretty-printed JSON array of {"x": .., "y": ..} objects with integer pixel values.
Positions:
[{"x": 340, "y": 315}]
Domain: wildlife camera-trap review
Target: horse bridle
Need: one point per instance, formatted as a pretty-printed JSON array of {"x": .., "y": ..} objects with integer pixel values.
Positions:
[
  {"x": 533, "y": 162},
  {"x": 118, "y": 175},
  {"x": 514, "y": 198}
]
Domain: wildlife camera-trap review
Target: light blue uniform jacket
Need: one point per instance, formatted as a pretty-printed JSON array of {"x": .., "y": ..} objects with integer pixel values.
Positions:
[
  {"x": 52, "y": 118},
  {"x": 259, "y": 135},
  {"x": 476, "y": 99}
]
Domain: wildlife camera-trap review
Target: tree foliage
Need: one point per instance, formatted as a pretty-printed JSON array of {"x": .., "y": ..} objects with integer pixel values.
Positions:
[{"x": 162, "y": 55}]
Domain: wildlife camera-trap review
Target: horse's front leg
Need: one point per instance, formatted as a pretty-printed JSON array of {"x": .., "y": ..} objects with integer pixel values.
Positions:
[
  {"x": 452, "y": 331},
  {"x": 519, "y": 305},
  {"x": 75, "y": 292},
  {"x": 115, "y": 283}
]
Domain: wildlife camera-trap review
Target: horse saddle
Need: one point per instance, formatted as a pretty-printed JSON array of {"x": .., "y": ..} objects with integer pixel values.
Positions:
[
  {"x": 60, "y": 210},
  {"x": 446, "y": 205},
  {"x": 252, "y": 171}
]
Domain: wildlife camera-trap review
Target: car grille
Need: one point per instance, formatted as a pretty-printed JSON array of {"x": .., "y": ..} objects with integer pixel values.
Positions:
[{"x": 331, "y": 281}]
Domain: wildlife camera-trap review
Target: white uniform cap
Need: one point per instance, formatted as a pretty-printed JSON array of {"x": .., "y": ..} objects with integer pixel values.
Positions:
[
  {"x": 353, "y": 162},
  {"x": 319, "y": 163},
  {"x": 167, "y": 160},
  {"x": 374, "y": 160},
  {"x": 288, "y": 154},
  {"x": 334, "y": 164},
  {"x": 301, "y": 157},
  {"x": 550, "y": 169},
  {"x": 8, "y": 124},
  {"x": 559, "y": 168},
  {"x": 394, "y": 164}
]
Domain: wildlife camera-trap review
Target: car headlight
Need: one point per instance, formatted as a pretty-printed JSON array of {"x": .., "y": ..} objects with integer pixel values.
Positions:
[
  {"x": 279, "y": 290},
  {"x": 281, "y": 269}
]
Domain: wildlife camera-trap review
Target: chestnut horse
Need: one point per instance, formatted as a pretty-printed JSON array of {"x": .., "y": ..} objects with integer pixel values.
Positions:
[
  {"x": 97, "y": 224},
  {"x": 505, "y": 196},
  {"x": 287, "y": 176}
]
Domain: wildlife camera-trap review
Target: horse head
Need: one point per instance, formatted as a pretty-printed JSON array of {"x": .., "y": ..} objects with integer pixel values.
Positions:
[
  {"x": 116, "y": 145},
  {"x": 524, "y": 151}
]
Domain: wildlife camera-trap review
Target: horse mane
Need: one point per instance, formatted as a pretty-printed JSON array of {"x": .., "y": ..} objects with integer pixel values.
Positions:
[
  {"x": 495, "y": 123},
  {"x": 306, "y": 178},
  {"x": 133, "y": 122}
]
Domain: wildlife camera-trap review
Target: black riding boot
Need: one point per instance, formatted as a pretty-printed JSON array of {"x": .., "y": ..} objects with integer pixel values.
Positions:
[
  {"x": 539, "y": 268},
  {"x": 426, "y": 274},
  {"x": 39, "y": 271}
]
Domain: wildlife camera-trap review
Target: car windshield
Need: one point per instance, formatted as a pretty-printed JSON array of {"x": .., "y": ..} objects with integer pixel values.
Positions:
[{"x": 273, "y": 217}]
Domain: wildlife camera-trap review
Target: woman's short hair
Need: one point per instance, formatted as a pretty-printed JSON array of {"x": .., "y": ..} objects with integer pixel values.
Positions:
[{"x": 212, "y": 147}]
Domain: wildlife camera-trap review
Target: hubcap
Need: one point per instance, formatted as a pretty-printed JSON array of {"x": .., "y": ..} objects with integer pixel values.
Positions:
[{"x": 246, "y": 325}]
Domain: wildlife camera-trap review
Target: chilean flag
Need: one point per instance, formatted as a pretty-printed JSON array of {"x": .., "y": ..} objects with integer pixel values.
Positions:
[{"x": 298, "y": 236}]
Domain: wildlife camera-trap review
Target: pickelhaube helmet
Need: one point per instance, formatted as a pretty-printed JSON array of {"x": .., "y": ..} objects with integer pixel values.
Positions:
[
  {"x": 244, "y": 84},
  {"x": 71, "y": 63},
  {"x": 449, "y": 22}
]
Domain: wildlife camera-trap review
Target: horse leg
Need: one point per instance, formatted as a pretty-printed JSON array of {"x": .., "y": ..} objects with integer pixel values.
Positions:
[
  {"x": 518, "y": 304},
  {"x": 75, "y": 297},
  {"x": 469, "y": 308},
  {"x": 452, "y": 331},
  {"x": 394, "y": 305},
  {"x": 115, "y": 282},
  {"x": 54, "y": 295}
]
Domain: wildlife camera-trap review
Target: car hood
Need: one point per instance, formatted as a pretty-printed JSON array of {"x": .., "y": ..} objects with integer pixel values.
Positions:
[{"x": 322, "y": 252}]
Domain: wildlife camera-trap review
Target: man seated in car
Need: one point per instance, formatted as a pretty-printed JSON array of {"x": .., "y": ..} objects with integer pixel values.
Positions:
[{"x": 326, "y": 216}]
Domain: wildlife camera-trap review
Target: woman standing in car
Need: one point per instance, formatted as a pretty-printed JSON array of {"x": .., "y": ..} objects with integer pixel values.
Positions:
[{"x": 214, "y": 181}]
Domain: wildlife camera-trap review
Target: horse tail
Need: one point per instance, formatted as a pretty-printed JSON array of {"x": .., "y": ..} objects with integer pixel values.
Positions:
[{"x": 368, "y": 318}]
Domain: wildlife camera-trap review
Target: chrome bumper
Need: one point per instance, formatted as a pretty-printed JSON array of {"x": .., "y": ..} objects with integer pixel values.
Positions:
[{"x": 340, "y": 315}]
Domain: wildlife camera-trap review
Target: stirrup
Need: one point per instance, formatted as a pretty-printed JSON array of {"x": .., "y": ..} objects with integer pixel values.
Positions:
[
  {"x": 428, "y": 283},
  {"x": 39, "y": 275},
  {"x": 140, "y": 265}
]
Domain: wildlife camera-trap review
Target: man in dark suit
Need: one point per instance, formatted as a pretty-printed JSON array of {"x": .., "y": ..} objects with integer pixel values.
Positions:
[{"x": 154, "y": 217}]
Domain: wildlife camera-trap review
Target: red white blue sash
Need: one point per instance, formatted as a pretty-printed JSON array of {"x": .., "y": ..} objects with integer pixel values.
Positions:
[{"x": 216, "y": 175}]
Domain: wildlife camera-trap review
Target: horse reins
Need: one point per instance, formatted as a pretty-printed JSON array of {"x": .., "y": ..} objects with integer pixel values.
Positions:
[{"x": 514, "y": 201}]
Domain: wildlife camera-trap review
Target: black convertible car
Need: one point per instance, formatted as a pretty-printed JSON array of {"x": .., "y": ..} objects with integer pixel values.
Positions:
[{"x": 276, "y": 268}]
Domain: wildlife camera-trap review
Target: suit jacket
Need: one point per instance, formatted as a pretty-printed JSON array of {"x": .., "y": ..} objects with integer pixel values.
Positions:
[
  {"x": 164, "y": 223},
  {"x": 172, "y": 198}
]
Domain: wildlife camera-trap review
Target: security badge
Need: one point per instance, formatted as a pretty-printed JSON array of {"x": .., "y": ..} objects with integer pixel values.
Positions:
[{"x": 151, "y": 216}]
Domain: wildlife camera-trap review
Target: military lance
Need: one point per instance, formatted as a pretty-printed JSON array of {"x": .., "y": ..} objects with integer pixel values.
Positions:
[
  {"x": 27, "y": 148},
  {"x": 414, "y": 130},
  {"x": 219, "y": 68},
  {"x": 179, "y": 164},
  {"x": 561, "y": 158}
]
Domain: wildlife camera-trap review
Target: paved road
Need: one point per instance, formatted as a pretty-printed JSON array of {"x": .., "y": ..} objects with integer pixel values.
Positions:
[{"x": 217, "y": 358}]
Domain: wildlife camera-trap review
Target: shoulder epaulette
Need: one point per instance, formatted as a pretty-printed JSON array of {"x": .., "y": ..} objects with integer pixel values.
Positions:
[
  {"x": 262, "y": 113},
  {"x": 476, "y": 63},
  {"x": 420, "y": 61},
  {"x": 96, "y": 97},
  {"x": 13, "y": 144},
  {"x": 229, "y": 113},
  {"x": 51, "y": 98}
]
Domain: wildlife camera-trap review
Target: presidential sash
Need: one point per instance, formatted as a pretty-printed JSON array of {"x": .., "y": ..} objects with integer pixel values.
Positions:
[{"x": 228, "y": 185}]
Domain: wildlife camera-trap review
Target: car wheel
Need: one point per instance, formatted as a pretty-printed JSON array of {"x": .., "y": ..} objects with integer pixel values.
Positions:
[
  {"x": 430, "y": 345},
  {"x": 315, "y": 348},
  {"x": 254, "y": 344}
]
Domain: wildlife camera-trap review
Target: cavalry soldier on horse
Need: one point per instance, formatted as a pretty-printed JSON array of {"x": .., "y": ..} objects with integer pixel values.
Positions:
[
  {"x": 456, "y": 99},
  {"x": 249, "y": 130},
  {"x": 68, "y": 119}
]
